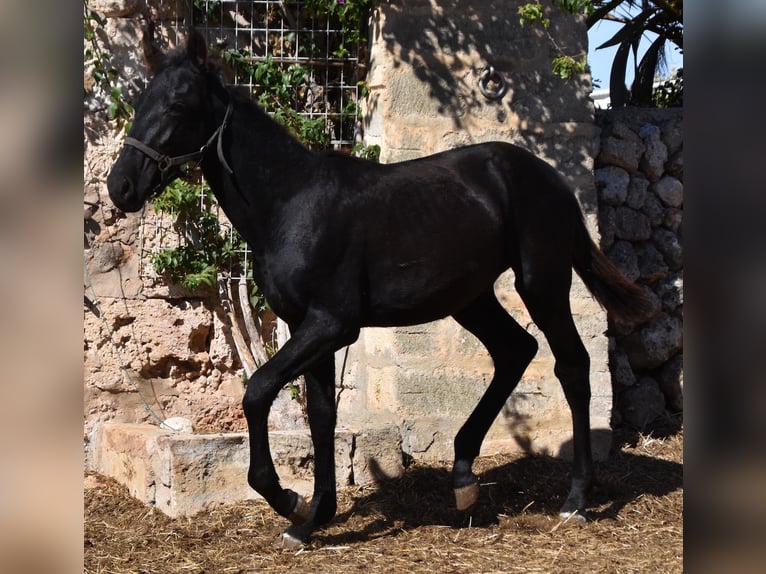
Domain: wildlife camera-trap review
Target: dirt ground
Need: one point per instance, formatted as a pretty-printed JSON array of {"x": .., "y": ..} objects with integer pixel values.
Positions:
[{"x": 410, "y": 524}]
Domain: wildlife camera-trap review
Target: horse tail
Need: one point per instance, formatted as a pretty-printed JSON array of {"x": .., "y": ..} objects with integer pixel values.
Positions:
[{"x": 622, "y": 298}]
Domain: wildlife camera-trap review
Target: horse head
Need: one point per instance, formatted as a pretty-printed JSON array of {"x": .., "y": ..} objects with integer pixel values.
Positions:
[{"x": 172, "y": 125}]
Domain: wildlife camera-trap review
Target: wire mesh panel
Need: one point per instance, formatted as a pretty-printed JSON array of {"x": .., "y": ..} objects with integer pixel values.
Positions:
[
  {"x": 296, "y": 54},
  {"x": 304, "y": 63}
]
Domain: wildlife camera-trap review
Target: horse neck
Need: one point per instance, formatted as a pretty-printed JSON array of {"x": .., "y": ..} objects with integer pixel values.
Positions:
[{"x": 268, "y": 166}]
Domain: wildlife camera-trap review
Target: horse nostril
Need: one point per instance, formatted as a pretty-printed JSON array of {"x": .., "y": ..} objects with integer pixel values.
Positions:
[
  {"x": 121, "y": 191},
  {"x": 126, "y": 187},
  {"x": 120, "y": 188}
]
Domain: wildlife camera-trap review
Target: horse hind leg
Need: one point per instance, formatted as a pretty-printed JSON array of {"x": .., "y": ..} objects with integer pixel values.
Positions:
[
  {"x": 320, "y": 391},
  {"x": 511, "y": 349},
  {"x": 547, "y": 301}
]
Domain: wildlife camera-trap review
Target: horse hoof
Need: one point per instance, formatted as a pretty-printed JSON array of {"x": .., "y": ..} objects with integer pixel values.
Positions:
[
  {"x": 300, "y": 512},
  {"x": 289, "y": 541},
  {"x": 466, "y": 496},
  {"x": 573, "y": 516}
]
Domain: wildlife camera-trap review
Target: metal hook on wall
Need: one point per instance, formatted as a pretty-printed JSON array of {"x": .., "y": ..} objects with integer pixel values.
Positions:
[{"x": 489, "y": 74}]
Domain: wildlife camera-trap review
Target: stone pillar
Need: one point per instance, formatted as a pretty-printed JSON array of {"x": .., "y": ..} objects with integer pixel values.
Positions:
[{"x": 426, "y": 60}]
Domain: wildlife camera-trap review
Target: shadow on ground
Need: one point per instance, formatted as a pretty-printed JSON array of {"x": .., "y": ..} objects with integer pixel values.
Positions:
[{"x": 531, "y": 484}]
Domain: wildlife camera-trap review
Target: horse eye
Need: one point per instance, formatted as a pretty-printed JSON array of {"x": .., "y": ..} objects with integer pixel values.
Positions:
[{"x": 178, "y": 107}]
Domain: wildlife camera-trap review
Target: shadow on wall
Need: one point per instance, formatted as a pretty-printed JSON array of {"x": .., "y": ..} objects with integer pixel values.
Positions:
[{"x": 448, "y": 43}]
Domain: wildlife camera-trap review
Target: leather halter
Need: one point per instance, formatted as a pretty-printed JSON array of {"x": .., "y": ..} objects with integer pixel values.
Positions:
[{"x": 166, "y": 162}]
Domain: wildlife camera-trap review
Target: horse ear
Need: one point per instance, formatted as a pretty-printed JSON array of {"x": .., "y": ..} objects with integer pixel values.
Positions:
[
  {"x": 196, "y": 47},
  {"x": 152, "y": 53}
]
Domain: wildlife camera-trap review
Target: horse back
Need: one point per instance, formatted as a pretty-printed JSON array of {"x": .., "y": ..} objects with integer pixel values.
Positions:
[
  {"x": 430, "y": 235},
  {"x": 413, "y": 241}
]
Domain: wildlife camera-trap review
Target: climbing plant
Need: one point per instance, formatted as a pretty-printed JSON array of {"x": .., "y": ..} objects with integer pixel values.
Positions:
[
  {"x": 564, "y": 65},
  {"x": 662, "y": 18},
  {"x": 350, "y": 16},
  {"x": 286, "y": 88},
  {"x": 205, "y": 247},
  {"x": 280, "y": 89},
  {"x": 98, "y": 61}
]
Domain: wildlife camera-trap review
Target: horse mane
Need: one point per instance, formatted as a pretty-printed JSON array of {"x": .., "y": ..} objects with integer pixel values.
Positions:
[{"x": 157, "y": 59}]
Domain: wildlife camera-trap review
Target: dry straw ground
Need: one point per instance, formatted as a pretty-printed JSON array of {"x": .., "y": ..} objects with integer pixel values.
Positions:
[{"x": 408, "y": 525}]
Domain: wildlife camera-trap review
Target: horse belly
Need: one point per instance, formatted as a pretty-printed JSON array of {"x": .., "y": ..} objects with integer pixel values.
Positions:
[
  {"x": 419, "y": 290},
  {"x": 432, "y": 244}
]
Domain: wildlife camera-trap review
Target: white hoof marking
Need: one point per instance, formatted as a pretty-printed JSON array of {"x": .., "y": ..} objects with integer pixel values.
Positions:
[
  {"x": 289, "y": 542},
  {"x": 300, "y": 513},
  {"x": 574, "y": 516},
  {"x": 466, "y": 496}
]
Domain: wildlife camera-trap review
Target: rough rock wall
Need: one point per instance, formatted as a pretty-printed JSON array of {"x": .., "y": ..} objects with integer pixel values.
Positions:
[
  {"x": 147, "y": 344},
  {"x": 639, "y": 175}
]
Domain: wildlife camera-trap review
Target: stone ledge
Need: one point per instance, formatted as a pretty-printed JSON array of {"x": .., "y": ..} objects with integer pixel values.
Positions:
[{"x": 181, "y": 474}]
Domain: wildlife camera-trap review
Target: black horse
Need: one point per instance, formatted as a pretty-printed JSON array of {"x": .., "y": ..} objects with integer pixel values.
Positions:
[{"x": 341, "y": 243}]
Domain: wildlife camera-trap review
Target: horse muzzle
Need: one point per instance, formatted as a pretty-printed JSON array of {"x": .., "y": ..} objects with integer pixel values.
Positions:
[{"x": 123, "y": 193}]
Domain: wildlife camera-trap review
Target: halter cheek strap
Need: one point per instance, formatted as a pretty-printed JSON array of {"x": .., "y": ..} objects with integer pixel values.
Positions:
[{"x": 166, "y": 162}]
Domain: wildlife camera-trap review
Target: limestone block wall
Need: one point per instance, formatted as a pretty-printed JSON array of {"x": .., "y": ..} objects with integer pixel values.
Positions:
[
  {"x": 639, "y": 175},
  {"x": 426, "y": 60}
]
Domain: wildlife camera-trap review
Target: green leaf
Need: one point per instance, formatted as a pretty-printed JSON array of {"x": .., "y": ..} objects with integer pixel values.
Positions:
[
  {"x": 602, "y": 10},
  {"x": 532, "y": 12},
  {"x": 566, "y": 67},
  {"x": 576, "y": 6},
  {"x": 643, "y": 83},
  {"x": 618, "y": 92}
]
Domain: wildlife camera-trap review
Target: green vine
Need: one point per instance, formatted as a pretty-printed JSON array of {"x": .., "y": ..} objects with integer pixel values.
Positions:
[
  {"x": 291, "y": 91},
  {"x": 103, "y": 73},
  {"x": 370, "y": 152},
  {"x": 348, "y": 15},
  {"x": 207, "y": 248},
  {"x": 208, "y": 10},
  {"x": 670, "y": 93},
  {"x": 565, "y": 66},
  {"x": 279, "y": 89},
  {"x": 663, "y": 19},
  {"x": 286, "y": 90}
]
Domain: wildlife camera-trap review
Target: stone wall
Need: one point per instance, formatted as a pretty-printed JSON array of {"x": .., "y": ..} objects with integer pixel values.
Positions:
[
  {"x": 146, "y": 342},
  {"x": 639, "y": 176},
  {"x": 149, "y": 348}
]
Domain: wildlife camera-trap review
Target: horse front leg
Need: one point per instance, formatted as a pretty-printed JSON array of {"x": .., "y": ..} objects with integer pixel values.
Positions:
[
  {"x": 262, "y": 389},
  {"x": 317, "y": 338}
]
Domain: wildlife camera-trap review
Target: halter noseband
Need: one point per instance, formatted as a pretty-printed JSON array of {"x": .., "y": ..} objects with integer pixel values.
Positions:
[{"x": 166, "y": 163}]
